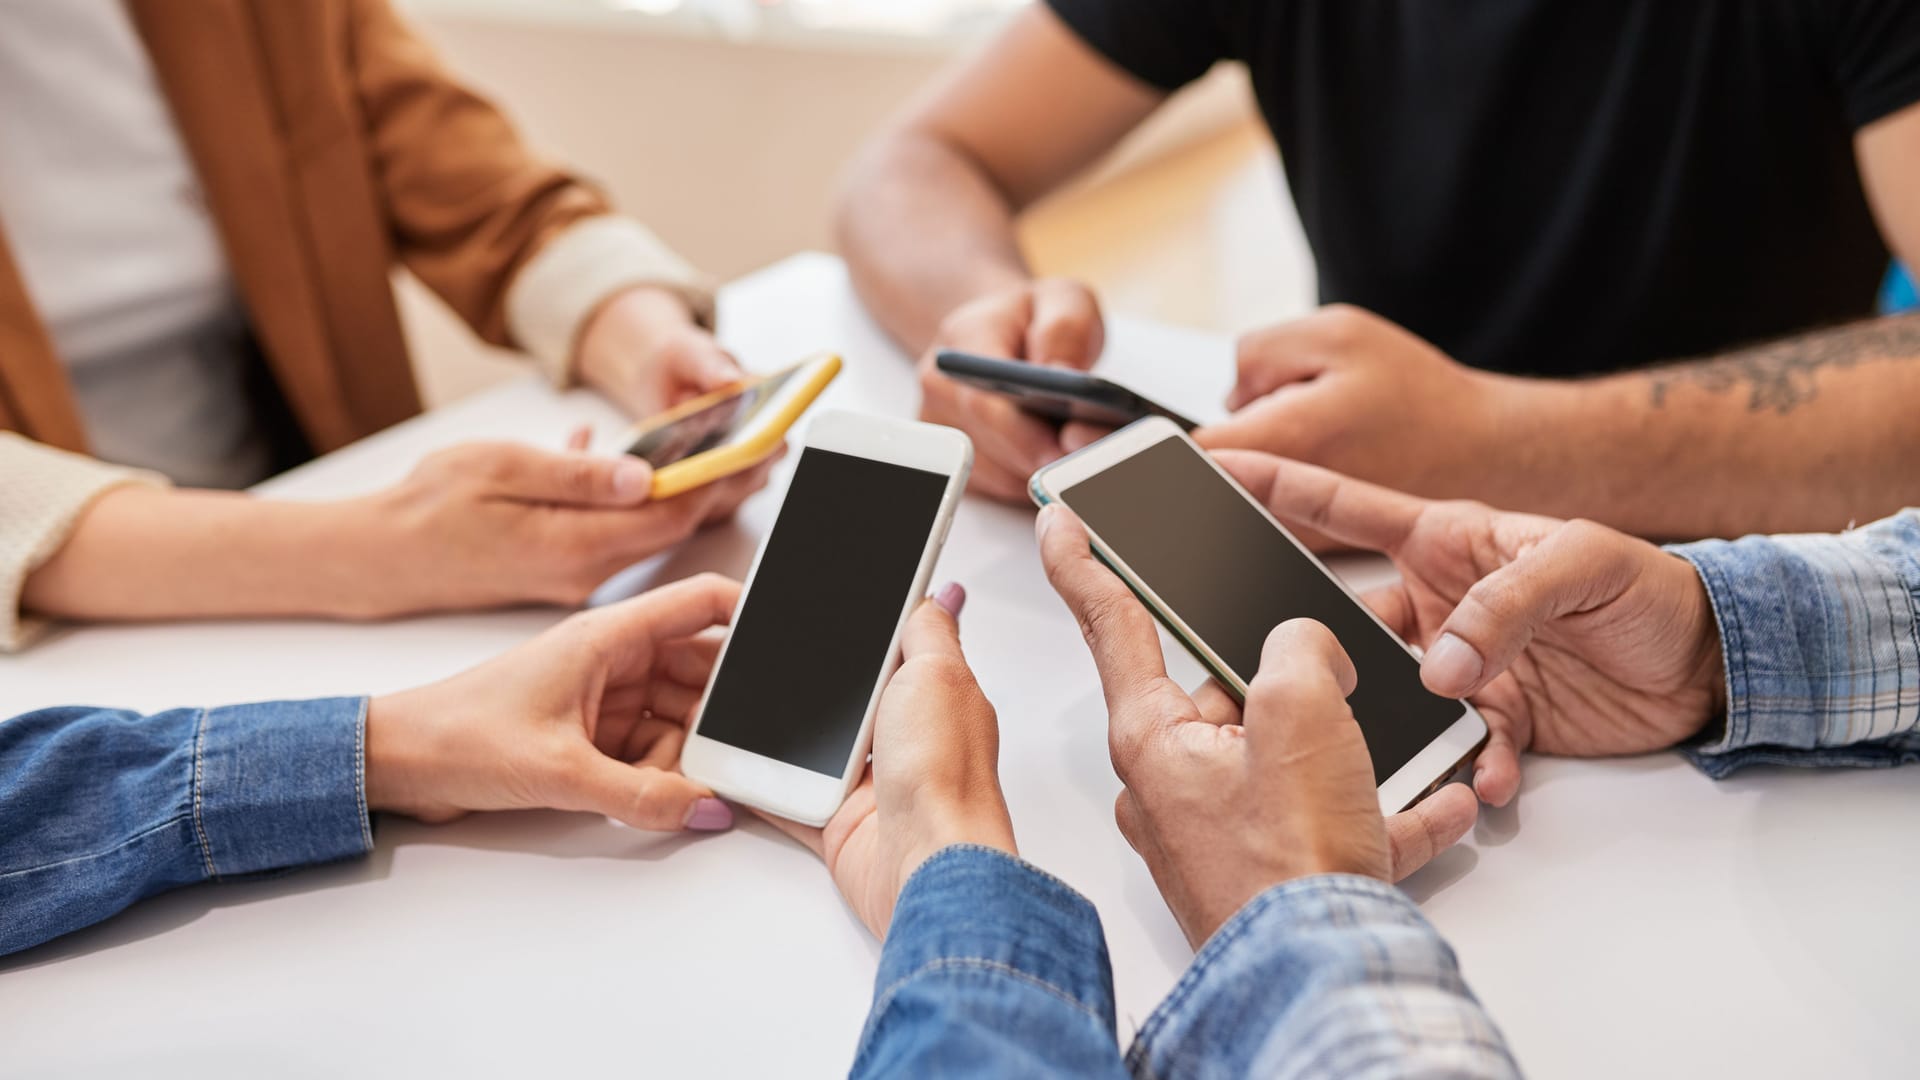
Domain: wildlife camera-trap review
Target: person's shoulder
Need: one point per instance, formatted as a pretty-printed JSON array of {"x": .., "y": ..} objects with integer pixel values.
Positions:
[{"x": 1167, "y": 43}]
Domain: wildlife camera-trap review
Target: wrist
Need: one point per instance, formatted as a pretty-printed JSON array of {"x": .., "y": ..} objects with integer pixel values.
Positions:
[
  {"x": 371, "y": 538},
  {"x": 941, "y": 825},
  {"x": 1709, "y": 679},
  {"x": 400, "y": 758}
]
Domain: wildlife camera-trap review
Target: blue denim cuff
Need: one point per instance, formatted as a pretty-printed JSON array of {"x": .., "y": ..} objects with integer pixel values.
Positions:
[
  {"x": 976, "y": 907},
  {"x": 1822, "y": 655},
  {"x": 281, "y": 784}
]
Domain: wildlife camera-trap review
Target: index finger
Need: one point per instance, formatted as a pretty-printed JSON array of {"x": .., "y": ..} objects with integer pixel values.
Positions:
[
  {"x": 1350, "y": 511},
  {"x": 632, "y": 627},
  {"x": 1007, "y": 433},
  {"x": 1126, "y": 647}
]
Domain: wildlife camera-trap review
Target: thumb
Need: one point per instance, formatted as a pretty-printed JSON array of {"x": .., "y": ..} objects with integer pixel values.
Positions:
[
  {"x": 1267, "y": 360},
  {"x": 1288, "y": 425},
  {"x": 704, "y": 366},
  {"x": 1579, "y": 566},
  {"x": 1066, "y": 329},
  {"x": 934, "y": 627},
  {"x": 572, "y": 479},
  {"x": 642, "y": 796}
]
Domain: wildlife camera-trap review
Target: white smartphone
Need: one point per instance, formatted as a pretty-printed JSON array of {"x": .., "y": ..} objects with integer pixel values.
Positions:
[
  {"x": 787, "y": 717},
  {"x": 1220, "y": 573}
]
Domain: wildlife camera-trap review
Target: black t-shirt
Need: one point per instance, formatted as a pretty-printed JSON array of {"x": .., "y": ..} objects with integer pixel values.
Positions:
[{"x": 1562, "y": 186}]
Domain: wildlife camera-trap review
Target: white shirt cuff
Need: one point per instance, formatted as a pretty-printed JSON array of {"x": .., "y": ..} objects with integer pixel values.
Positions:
[{"x": 562, "y": 286}]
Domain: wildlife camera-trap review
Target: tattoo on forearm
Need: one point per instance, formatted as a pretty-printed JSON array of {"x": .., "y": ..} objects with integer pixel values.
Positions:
[{"x": 1784, "y": 375}]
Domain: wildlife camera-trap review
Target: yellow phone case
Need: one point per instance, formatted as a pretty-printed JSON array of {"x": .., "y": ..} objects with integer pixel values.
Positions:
[{"x": 723, "y": 461}]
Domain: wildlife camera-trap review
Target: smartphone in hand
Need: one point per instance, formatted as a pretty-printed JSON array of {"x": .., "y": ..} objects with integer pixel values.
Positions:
[
  {"x": 1055, "y": 393},
  {"x": 787, "y": 716},
  {"x": 729, "y": 430},
  {"x": 1220, "y": 573}
]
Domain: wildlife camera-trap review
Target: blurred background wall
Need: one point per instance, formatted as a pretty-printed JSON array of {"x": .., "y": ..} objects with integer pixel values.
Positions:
[{"x": 724, "y": 124}]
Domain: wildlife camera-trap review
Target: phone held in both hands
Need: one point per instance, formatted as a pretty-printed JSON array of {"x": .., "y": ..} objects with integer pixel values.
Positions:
[
  {"x": 1220, "y": 573},
  {"x": 1055, "y": 393},
  {"x": 727, "y": 431},
  {"x": 787, "y": 716}
]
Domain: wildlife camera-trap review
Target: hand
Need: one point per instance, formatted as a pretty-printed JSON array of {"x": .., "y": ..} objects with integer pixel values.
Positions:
[
  {"x": 1050, "y": 322},
  {"x": 1571, "y": 638},
  {"x": 934, "y": 780},
  {"x": 643, "y": 350},
  {"x": 1349, "y": 390},
  {"x": 1223, "y": 805},
  {"x": 492, "y": 524},
  {"x": 588, "y": 716}
]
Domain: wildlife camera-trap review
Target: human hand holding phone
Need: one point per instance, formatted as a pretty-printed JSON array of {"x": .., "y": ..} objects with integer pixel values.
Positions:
[
  {"x": 644, "y": 350},
  {"x": 588, "y": 716},
  {"x": 1569, "y": 637},
  {"x": 934, "y": 780},
  {"x": 1223, "y": 803},
  {"x": 490, "y": 524},
  {"x": 1053, "y": 322}
]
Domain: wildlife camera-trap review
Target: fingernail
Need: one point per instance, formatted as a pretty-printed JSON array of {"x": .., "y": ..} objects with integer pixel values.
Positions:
[
  {"x": 952, "y": 596},
  {"x": 632, "y": 478},
  {"x": 1452, "y": 665},
  {"x": 709, "y": 815}
]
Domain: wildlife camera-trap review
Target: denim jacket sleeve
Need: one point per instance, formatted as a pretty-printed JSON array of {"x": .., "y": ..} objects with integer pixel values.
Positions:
[
  {"x": 100, "y": 809},
  {"x": 1822, "y": 642},
  {"x": 993, "y": 968}
]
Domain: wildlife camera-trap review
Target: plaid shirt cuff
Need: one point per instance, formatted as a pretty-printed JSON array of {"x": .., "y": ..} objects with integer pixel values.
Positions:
[
  {"x": 1822, "y": 641},
  {"x": 1324, "y": 976}
]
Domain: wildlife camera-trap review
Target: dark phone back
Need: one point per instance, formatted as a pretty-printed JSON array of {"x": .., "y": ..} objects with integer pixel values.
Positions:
[{"x": 1055, "y": 393}]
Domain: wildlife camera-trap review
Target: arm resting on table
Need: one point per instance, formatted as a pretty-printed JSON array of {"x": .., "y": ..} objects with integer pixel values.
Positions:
[
  {"x": 44, "y": 493},
  {"x": 101, "y": 808},
  {"x": 1822, "y": 641}
]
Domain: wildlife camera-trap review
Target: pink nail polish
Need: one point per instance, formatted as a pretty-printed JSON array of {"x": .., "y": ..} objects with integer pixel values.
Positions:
[
  {"x": 709, "y": 815},
  {"x": 952, "y": 596}
]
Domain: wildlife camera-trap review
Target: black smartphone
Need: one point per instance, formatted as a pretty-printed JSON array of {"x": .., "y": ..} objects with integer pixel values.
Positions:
[{"x": 1056, "y": 393}]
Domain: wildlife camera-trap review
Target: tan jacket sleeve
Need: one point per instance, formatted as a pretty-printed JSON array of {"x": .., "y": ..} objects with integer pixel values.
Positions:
[
  {"x": 43, "y": 493},
  {"x": 523, "y": 251}
]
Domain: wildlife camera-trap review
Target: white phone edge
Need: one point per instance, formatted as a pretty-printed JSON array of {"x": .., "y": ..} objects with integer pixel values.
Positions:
[
  {"x": 1425, "y": 770},
  {"x": 789, "y": 791}
]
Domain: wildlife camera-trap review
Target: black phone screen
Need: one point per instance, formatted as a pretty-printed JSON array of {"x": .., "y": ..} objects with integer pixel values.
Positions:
[
  {"x": 699, "y": 432},
  {"x": 812, "y": 634},
  {"x": 1217, "y": 562}
]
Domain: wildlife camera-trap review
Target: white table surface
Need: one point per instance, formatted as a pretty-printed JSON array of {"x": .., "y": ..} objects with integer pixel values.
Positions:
[{"x": 1624, "y": 917}]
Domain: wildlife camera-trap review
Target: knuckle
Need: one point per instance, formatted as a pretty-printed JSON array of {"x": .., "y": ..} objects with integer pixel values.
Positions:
[
  {"x": 1582, "y": 533},
  {"x": 1126, "y": 745},
  {"x": 1496, "y": 595},
  {"x": 578, "y": 474},
  {"x": 1343, "y": 324},
  {"x": 1100, "y": 615},
  {"x": 948, "y": 674}
]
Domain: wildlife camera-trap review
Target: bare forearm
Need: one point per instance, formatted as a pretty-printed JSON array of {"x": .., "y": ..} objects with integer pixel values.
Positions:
[
  {"x": 924, "y": 230},
  {"x": 1804, "y": 435},
  {"x": 141, "y": 554}
]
